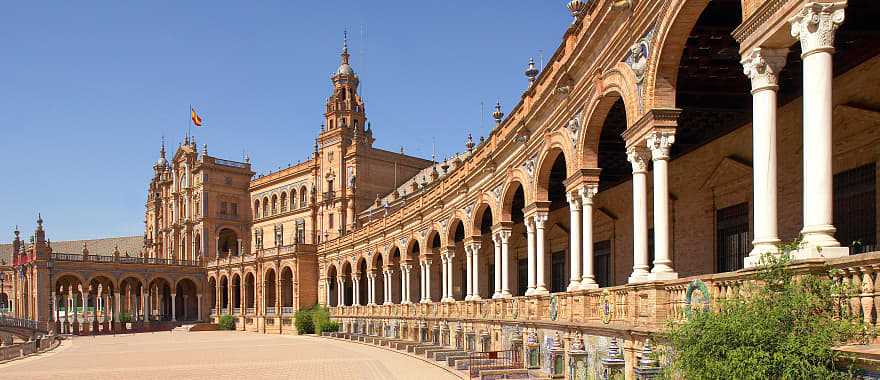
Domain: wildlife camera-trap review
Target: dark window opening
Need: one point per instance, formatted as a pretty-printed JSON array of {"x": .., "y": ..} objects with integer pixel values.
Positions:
[
  {"x": 602, "y": 262},
  {"x": 558, "y": 280},
  {"x": 855, "y": 208},
  {"x": 732, "y": 231}
]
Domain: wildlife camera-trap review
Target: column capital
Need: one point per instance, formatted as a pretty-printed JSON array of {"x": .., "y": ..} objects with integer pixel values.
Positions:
[
  {"x": 762, "y": 66},
  {"x": 587, "y": 192},
  {"x": 574, "y": 201},
  {"x": 815, "y": 25},
  {"x": 660, "y": 142},
  {"x": 638, "y": 158},
  {"x": 539, "y": 218},
  {"x": 504, "y": 235}
]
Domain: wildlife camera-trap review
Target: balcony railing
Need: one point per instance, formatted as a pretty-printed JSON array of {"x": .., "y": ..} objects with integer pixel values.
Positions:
[
  {"x": 233, "y": 164},
  {"x": 250, "y": 311},
  {"x": 270, "y": 311},
  {"x": 236, "y": 311},
  {"x": 124, "y": 259},
  {"x": 285, "y": 311},
  {"x": 646, "y": 305}
]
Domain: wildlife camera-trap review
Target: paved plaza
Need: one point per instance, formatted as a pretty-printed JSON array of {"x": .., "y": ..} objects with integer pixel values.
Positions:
[{"x": 219, "y": 355}]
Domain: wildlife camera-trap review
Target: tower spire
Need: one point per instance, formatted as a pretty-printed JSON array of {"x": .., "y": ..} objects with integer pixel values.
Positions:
[{"x": 345, "y": 46}]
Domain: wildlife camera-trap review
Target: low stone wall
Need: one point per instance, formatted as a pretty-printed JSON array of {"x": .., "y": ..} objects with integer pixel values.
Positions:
[{"x": 24, "y": 349}]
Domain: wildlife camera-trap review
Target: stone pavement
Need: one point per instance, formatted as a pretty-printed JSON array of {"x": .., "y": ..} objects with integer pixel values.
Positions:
[{"x": 219, "y": 355}]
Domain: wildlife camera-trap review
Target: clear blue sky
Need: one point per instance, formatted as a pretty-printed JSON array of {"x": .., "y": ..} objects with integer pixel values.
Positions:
[{"x": 88, "y": 88}]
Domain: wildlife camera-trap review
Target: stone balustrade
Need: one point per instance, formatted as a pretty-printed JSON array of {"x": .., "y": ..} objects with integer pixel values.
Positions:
[{"x": 643, "y": 307}]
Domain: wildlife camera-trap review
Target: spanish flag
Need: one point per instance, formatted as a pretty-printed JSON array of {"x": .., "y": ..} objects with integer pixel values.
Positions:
[{"x": 197, "y": 120}]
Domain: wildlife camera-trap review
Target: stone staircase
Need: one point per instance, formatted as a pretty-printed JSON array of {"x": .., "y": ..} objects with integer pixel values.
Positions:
[{"x": 458, "y": 360}]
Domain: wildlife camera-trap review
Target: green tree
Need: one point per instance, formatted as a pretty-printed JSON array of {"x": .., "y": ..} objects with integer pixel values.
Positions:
[
  {"x": 227, "y": 322},
  {"x": 784, "y": 328}
]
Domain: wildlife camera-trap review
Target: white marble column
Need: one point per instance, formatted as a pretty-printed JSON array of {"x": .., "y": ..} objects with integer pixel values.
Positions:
[
  {"x": 762, "y": 66},
  {"x": 340, "y": 292},
  {"x": 387, "y": 284},
  {"x": 496, "y": 245},
  {"x": 371, "y": 289},
  {"x": 468, "y": 269},
  {"x": 475, "y": 260},
  {"x": 173, "y": 307},
  {"x": 815, "y": 26},
  {"x": 422, "y": 282},
  {"x": 588, "y": 281},
  {"x": 574, "y": 211},
  {"x": 443, "y": 277},
  {"x": 660, "y": 142},
  {"x": 404, "y": 275},
  {"x": 638, "y": 157},
  {"x": 450, "y": 256},
  {"x": 539, "y": 219},
  {"x": 530, "y": 242},
  {"x": 355, "y": 289},
  {"x": 427, "y": 276},
  {"x": 504, "y": 234},
  {"x": 327, "y": 291}
]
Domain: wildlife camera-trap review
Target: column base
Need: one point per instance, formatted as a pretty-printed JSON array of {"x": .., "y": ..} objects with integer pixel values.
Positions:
[
  {"x": 640, "y": 275},
  {"x": 662, "y": 276},
  {"x": 761, "y": 248},
  {"x": 388, "y": 303},
  {"x": 425, "y": 301},
  {"x": 405, "y": 302},
  {"x": 589, "y": 283},
  {"x": 446, "y": 300},
  {"x": 819, "y": 235},
  {"x": 573, "y": 286},
  {"x": 530, "y": 291},
  {"x": 475, "y": 298},
  {"x": 506, "y": 294},
  {"x": 814, "y": 252},
  {"x": 496, "y": 295},
  {"x": 540, "y": 291}
]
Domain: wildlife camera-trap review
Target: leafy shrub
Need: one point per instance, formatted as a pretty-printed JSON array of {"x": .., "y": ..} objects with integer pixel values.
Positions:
[
  {"x": 304, "y": 322},
  {"x": 227, "y": 322},
  {"x": 329, "y": 326},
  {"x": 124, "y": 317},
  {"x": 784, "y": 328},
  {"x": 314, "y": 320}
]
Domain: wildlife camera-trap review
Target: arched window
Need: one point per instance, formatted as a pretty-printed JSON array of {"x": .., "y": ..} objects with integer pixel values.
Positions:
[
  {"x": 274, "y": 204},
  {"x": 257, "y": 209},
  {"x": 283, "y": 202},
  {"x": 303, "y": 197},
  {"x": 293, "y": 199},
  {"x": 265, "y": 207}
]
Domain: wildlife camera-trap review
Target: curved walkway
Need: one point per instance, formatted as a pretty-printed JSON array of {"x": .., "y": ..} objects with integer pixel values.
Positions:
[{"x": 219, "y": 355}]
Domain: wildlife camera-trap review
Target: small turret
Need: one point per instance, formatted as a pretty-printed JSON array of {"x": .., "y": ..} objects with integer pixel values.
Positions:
[
  {"x": 498, "y": 115},
  {"x": 531, "y": 72}
]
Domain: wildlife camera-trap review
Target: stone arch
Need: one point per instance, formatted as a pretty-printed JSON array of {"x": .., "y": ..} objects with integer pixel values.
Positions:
[
  {"x": 76, "y": 275},
  {"x": 478, "y": 216},
  {"x": 507, "y": 195},
  {"x": 670, "y": 40},
  {"x": 545, "y": 166},
  {"x": 596, "y": 114},
  {"x": 432, "y": 236},
  {"x": 414, "y": 249},
  {"x": 186, "y": 307},
  {"x": 331, "y": 269},
  {"x": 287, "y": 291},
  {"x": 454, "y": 221},
  {"x": 376, "y": 260}
]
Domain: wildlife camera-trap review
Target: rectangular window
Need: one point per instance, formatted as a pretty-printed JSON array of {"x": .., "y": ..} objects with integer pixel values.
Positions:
[
  {"x": 558, "y": 280},
  {"x": 732, "y": 232},
  {"x": 602, "y": 262},
  {"x": 300, "y": 232},
  {"x": 222, "y": 208},
  {"x": 330, "y": 221},
  {"x": 522, "y": 276},
  {"x": 855, "y": 208},
  {"x": 234, "y": 209}
]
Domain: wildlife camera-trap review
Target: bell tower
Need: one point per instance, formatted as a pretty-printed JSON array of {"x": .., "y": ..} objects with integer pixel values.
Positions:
[{"x": 344, "y": 137}]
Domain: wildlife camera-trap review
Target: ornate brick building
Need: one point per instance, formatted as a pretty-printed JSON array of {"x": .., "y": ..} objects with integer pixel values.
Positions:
[{"x": 665, "y": 147}]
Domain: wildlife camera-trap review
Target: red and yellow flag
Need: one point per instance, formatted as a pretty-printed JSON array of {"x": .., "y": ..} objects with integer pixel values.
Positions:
[{"x": 197, "y": 120}]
